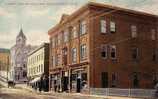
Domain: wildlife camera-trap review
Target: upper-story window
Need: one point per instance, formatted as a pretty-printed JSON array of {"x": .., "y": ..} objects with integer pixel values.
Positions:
[
  {"x": 74, "y": 55},
  {"x": 58, "y": 59},
  {"x": 83, "y": 53},
  {"x": 74, "y": 32},
  {"x": 53, "y": 61},
  {"x": 53, "y": 42},
  {"x": 153, "y": 34},
  {"x": 154, "y": 55},
  {"x": 66, "y": 36},
  {"x": 59, "y": 39},
  {"x": 103, "y": 25},
  {"x": 134, "y": 31},
  {"x": 112, "y": 27},
  {"x": 113, "y": 51},
  {"x": 135, "y": 53},
  {"x": 82, "y": 27},
  {"x": 104, "y": 51},
  {"x": 64, "y": 56}
]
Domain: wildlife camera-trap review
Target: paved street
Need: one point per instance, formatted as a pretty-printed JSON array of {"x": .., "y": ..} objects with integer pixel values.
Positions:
[{"x": 10, "y": 93}]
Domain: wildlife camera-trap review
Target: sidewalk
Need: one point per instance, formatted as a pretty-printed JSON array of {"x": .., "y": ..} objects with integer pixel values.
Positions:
[
  {"x": 66, "y": 95},
  {"x": 85, "y": 95}
]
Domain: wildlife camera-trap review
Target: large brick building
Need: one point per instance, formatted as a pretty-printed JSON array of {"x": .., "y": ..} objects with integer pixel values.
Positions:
[{"x": 101, "y": 46}]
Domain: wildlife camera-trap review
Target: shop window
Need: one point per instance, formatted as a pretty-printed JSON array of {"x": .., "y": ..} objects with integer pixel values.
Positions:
[
  {"x": 135, "y": 80},
  {"x": 114, "y": 80},
  {"x": 104, "y": 79}
]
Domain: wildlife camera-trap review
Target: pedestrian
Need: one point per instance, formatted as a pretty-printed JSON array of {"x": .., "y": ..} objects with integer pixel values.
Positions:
[
  {"x": 156, "y": 92},
  {"x": 55, "y": 85}
]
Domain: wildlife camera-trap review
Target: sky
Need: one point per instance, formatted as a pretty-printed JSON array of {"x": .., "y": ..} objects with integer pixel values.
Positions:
[{"x": 36, "y": 17}]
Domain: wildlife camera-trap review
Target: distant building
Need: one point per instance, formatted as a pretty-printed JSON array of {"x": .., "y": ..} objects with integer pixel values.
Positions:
[
  {"x": 19, "y": 54},
  {"x": 38, "y": 65},
  {"x": 4, "y": 62},
  {"x": 102, "y": 46}
]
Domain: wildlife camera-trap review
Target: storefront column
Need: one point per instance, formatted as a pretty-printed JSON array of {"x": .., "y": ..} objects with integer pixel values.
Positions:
[
  {"x": 69, "y": 77},
  {"x": 60, "y": 81}
]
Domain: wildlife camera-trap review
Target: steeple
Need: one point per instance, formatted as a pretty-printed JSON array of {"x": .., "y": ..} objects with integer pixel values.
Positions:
[
  {"x": 21, "y": 38},
  {"x": 21, "y": 34}
]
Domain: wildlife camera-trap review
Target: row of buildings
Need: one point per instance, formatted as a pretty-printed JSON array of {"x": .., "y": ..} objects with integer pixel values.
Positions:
[{"x": 97, "y": 46}]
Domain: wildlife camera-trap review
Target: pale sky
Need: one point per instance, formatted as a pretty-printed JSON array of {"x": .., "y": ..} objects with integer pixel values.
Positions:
[{"x": 36, "y": 17}]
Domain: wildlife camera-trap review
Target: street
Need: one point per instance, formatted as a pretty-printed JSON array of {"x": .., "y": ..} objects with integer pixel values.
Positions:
[
  {"x": 10, "y": 93},
  {"x": 16, "y": 93}
]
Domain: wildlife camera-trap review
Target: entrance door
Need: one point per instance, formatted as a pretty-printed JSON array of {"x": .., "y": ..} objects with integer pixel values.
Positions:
[
  {"x": 78, "y": 85},
  {"x": 104, "y": 79},
  {"x": 65, "y": 83}
]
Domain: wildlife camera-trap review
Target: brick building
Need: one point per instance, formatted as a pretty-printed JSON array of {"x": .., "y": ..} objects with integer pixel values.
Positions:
[
  {"x": 102, "y": 46},
  {"x": 4, "y": 62}
]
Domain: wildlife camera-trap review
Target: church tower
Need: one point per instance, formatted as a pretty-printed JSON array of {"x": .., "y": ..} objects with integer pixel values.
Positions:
[{"x": 21, "y": 39}]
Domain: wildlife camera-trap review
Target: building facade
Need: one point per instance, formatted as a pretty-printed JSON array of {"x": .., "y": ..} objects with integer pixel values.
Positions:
[
  {"x": 38, "y": 65},
  {"x": 19, "y": 51},
  {"x": 104, "y": 47},
  {"x": 4, "y": 62}
]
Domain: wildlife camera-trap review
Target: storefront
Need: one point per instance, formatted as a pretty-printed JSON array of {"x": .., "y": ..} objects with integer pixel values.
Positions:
[
  {"x": 72, "y": 79},
  {"x": 40, "y": 83},
  {"x": 79, "y": 79}
]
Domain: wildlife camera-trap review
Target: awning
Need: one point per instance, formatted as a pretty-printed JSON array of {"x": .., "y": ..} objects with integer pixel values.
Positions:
[{"x": 35, "y": 80}]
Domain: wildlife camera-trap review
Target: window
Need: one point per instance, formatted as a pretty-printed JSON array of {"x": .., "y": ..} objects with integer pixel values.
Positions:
[
  {"x": 104, "y": 79},
  {"x": 104, "y": 51},
  {"x": 53, "y": 42},
  {"x": 83, "y": 51},
  {"x": 42, "y": 68},
  {"x": 135, "y": 80},
  {"x": 135, "y": 53},
  {"x": 64, "y": 56},
  {"x": 74, "y": 32},
  {"x": 59, "y": 39},
  {"x": 66, "y": 36},
  {"x": 39, "y": 68},
  {"x": 82, "y": 27},
  {"x": 154, "y": 55},
  {"x": 114, "y": 79},
  {"x": 74, "y": 55},
  {"x": 134, "y": 31},
  {"x": 53, "y": 60},
  {"x": 103, "y": 25},
  {"x": 112, "y": 27},
  {"x": 153, "y": 34},
  {"x": 113, "y": 51},
  {"x": 58, "y": 60}
]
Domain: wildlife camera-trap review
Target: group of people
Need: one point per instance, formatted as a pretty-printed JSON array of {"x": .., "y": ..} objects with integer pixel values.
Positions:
[{"x": 42, "y": 84}]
